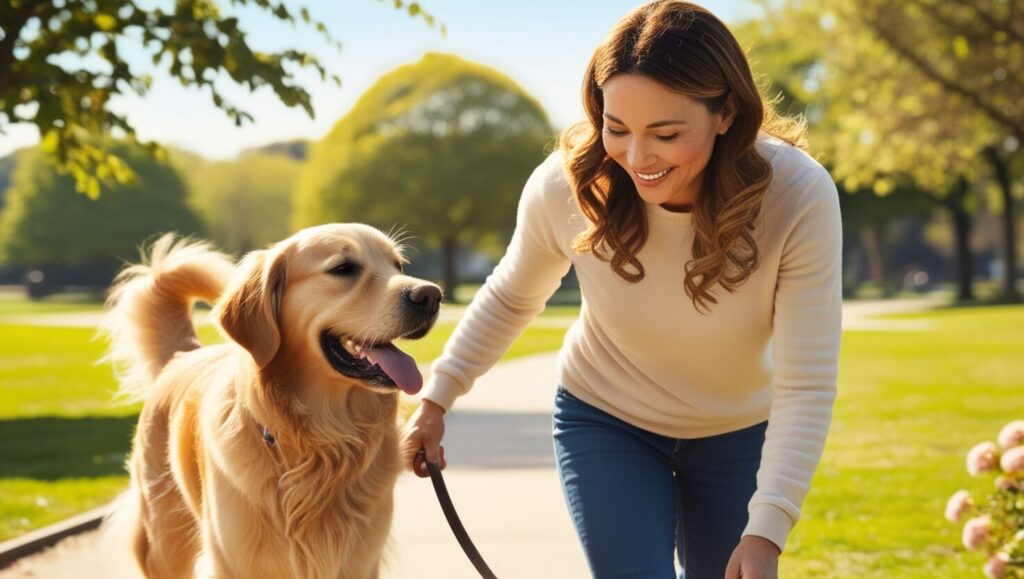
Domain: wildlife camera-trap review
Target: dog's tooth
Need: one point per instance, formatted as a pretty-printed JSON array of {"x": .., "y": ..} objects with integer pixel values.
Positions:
[{"x": 351, "y": 347}]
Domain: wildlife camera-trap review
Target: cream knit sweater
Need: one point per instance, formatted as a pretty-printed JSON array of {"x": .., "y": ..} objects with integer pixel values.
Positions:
[{"x": 643, "y": 353}]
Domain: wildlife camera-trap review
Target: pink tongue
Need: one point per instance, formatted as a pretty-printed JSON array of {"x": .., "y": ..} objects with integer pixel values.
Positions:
[{"x": 398, "y": 365}]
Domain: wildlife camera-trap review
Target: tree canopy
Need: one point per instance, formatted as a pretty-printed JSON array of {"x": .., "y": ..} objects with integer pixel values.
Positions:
[
  {"x": 62, "y": 62},
  {"x": 442, "y": 147},
  {"x": 246, "y": 203},
  {"x": 45, "y": 223},
  {"x": 905, "y": 98}
]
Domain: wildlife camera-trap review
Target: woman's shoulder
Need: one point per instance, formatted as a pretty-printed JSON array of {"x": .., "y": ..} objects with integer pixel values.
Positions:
[
  {"x": 794, "y": 171},
  {"x": 789, "y": 162},
  {"x": 553, "y": 169},
  {"x": 550, "y": 181}
]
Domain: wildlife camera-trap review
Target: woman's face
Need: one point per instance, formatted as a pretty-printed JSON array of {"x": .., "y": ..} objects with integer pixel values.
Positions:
[{"x": 661, "y": 138}]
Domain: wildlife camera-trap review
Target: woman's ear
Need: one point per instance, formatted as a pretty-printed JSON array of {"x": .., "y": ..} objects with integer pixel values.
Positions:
[
  {"x": 249, "y": 309},
  {"x": 727, "y": 115}
]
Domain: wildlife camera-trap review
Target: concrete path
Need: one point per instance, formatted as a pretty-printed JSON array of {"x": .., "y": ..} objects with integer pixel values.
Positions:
[{"x": 501, "y": 477}]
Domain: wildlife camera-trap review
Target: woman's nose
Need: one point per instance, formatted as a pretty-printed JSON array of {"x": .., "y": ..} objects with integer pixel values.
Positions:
[{"x": 638, "y": 156}]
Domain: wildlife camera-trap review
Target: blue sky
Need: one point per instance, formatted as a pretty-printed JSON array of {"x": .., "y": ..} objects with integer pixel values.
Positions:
[{"x": 542, "y": 44}]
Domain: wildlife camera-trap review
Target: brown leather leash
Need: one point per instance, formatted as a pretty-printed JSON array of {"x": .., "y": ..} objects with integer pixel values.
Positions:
[{"x": 454, "y": 522}]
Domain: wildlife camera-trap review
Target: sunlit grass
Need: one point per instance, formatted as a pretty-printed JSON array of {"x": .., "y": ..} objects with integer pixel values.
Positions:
[
  {"x": 14, "y": 303},
  {"x": 910, "y": 406}
]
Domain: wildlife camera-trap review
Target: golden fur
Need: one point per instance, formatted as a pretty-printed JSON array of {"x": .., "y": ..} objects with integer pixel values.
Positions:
[{"x": 209, "y": 497}]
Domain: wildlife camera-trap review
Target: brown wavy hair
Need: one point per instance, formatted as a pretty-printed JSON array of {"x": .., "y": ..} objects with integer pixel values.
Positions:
[{"x": 690, "y": 51}]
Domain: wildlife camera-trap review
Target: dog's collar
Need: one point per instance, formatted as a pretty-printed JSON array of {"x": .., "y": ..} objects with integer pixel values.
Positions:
[{"x": 268, "y": 438}]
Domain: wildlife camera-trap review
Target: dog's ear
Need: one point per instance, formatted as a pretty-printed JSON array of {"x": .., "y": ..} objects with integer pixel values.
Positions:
[{"x": 249, "y": 309}]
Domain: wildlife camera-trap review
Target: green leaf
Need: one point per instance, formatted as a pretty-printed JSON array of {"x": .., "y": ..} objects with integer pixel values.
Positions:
[
  {"x": 961, "y": 48},
  {"x": 50, "y": 141},
  {"x": 92, "y": 188},
  {"x": 105, "y": 22}
]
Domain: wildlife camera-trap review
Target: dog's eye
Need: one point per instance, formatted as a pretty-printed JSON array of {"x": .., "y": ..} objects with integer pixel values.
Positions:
[
  {"x": 398, "y": 264},
  {"x": 346, "y": 269}
]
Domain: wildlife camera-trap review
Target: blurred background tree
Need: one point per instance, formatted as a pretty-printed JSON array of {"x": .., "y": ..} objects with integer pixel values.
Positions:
[
  {"x": 47, "y": 228},
  {"x": 914, "y": 98},
  {"x": 246, "y": 203},
  {"x": 61, "y": 63},
  {"x": 442, "y": 146},
  {"x": 945, "y": 98},
  {"x": 6, "y": 172},
  {"x": 915, "y": 108}
]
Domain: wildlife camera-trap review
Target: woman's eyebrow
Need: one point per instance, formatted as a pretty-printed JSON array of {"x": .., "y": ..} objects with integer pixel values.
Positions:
[{"x": 654, "y": 125}]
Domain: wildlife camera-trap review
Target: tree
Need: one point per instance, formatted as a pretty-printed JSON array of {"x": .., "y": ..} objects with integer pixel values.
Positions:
[
  {"x": 789, "y": 50},
  {"x": 966, "y": 64},
  {"x": 247, "y": 203},
  {"x": 6, "y": 171},
  {"x": 442, "y": 146},
  {"x": 45, "y": 225},
  {"x": 882, "y": 126},
  {"x": 68, "y": 99}
]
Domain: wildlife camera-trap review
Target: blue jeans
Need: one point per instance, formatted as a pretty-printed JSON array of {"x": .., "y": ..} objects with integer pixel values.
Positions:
[{"x": 636, "y": 497}]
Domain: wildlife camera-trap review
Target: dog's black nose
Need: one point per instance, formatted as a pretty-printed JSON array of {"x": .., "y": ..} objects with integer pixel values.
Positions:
[{"x": 426, "y": 298}]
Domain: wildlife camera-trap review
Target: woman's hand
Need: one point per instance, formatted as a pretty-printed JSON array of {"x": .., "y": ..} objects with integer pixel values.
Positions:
[
  {"x": 424, "y": 430},
  {"x": 754, "y": 558}
]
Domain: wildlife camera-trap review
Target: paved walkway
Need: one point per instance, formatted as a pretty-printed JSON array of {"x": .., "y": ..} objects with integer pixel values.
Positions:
[{"x": 501, "y": 476}]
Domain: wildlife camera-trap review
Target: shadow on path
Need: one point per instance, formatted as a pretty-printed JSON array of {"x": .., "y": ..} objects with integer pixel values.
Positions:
[{"x": 52, "y": 448}]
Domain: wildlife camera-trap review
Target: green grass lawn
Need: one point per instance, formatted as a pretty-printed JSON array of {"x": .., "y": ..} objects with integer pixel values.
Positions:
[
  {"x": 911, "y": 404},
  {"x": 14, "y": 303},
  {"x": 63, "y": 442}
]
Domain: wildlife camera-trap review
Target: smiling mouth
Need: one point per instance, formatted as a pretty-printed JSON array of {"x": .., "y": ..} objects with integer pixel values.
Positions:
[
  {"x": 648, "y": 178},
  {"x": 379, "y": 364}
]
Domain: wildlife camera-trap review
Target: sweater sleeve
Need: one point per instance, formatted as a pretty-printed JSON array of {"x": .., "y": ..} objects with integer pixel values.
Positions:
[
  {"x": 807, "y": 325},
  {"x": 513, "y": 294}
]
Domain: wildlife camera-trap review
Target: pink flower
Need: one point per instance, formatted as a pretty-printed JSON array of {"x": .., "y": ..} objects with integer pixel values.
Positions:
[
  {"x": 1012, "y": 434},
  {"x": 995, "y": 567},
  {"x": 1013, "y": 460},
  {"x": 957, "y": 505},
  {"x": 1005, "y": 483},
  {"x": 976, "y": 532},
  {"x": 982, "y": 458}
]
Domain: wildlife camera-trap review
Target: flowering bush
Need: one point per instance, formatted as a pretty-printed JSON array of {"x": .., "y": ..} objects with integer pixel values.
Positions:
[{"x": 996, "y": 527}]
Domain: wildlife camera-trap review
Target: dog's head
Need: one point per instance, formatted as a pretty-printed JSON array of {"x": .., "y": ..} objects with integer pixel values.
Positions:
[{"x": 333, "y": 297}]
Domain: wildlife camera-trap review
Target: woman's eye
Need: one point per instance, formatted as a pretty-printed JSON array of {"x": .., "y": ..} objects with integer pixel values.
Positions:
[
  {"x": 613, "y": 132},
  {"x": 667, "y": 138},
  {"x": 346, "y": 269}
]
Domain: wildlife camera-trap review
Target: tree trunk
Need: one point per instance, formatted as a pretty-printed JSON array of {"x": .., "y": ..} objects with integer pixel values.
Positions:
[
  {"x": 962, "y": 240},
  {"x": 1009, "y": 292},
  {"x": 449, "y": 277},
  {"x": 871, "y": 238}
]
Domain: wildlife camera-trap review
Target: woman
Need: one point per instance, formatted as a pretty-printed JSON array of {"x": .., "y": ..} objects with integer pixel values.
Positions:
[{"x": 696, "y": 389}]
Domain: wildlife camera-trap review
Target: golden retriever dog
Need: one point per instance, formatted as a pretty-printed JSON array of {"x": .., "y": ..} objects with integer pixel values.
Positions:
[{"x": 274, "y": 454}]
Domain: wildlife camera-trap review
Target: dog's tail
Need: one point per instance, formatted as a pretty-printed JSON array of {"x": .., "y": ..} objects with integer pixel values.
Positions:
[{"x": 149, "y": 311}]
